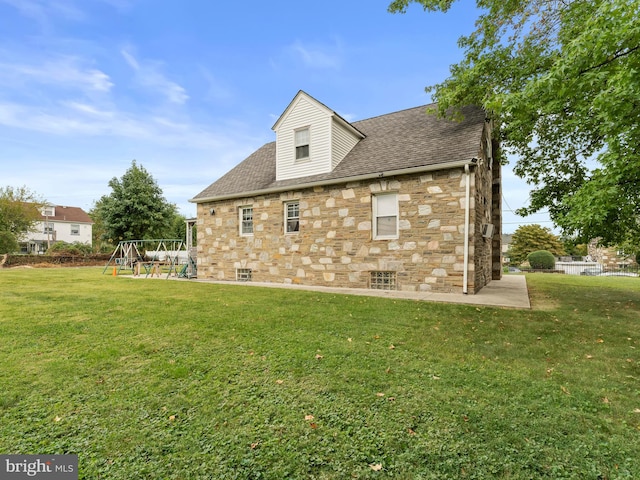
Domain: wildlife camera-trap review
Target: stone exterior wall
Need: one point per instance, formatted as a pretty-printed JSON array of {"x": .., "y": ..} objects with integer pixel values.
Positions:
[
  {"x": 482, "y": 246},
  {"x": 611, "y": 257},
  {"x": 487, "y": 210},
  {"x": 334, "y": 245}
]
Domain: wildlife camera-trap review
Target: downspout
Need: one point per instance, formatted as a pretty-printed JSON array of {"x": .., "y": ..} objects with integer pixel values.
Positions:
[{"x": 467, "y": 207}]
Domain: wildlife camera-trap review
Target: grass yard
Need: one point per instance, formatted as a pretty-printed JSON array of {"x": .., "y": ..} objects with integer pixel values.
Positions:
[{"x": 153, "y": 379}]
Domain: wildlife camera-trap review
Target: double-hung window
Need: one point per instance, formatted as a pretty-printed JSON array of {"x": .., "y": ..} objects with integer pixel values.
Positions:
[
  {"x": 302, "y": 143},
  {"x": 385, "y": 216},
  {"x": 246, "y": 220},
  {"x": 292, "y": 217},
  {"x": 75, "y": 229}
]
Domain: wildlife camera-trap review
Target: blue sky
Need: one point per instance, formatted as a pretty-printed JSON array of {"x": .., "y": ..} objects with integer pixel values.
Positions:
[{"x": 190, "y": 88}]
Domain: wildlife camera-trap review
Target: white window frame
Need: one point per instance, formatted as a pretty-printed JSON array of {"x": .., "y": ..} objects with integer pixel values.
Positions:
[
  {"x": 385, "y": 211},
  {"x": 244, "y": 274},
  {"x": 48, "y": 227},
  {"x": 243, "y": 222},
  {"x": 75, "y": 229},
  {"x": 288, "y": 218},
  {"x": 300, "y": 143}
]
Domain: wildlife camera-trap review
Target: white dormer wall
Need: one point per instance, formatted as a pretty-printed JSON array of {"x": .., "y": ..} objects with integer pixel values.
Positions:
[
  {"x": 331, "y": 138},
  {"x": 342, "y": 141}
]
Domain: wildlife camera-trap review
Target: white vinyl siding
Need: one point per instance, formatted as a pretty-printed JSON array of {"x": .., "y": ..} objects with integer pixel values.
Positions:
[
  {"x": 385, "y": 216},
  {"x": 342, "y": 142},
  {"x": 302, "y": 114}
]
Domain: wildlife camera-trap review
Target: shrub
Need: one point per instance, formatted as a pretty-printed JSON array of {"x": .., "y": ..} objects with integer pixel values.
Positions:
[
  {"x": 64, "y": 248},
  {"x": 542, "y": 260}
]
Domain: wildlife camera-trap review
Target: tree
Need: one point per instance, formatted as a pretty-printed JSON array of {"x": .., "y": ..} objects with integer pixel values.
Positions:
[
  {"x": 19, "y": 212},
  {"x": 531, "y": 238},
  {"x": 560, "y": 80},
  {"x": 573, "y": 247},
  {"x": 135, "y": 209},
  {"x": 99, "y": 240}
]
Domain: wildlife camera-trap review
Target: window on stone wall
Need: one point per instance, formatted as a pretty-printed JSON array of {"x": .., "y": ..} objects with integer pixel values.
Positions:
[
  {"x": 243, "y": 274},
  {"x": 383, "y": 280},
  {"x": 385, "y": 216},
  {"x": 246, "y": 220},
  {"x": 292, "y": 217}
]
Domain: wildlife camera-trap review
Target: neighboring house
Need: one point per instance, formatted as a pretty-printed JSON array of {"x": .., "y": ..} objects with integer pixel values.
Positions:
[
  {"x": 610, "y": 257},
  {"x": 506, "y": 240},
  {"x": 402, "y": 201},
  {"x": 67, "y": 224}
]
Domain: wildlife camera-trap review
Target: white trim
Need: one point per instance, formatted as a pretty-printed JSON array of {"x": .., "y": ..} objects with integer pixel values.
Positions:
[
  {"x": 467, "y": 207},
  {"x": 376, "y": 215},
  {"x": 286, "y": 217},
  {"x": 295, "y": 144},
  {"x": 241, "y": 210}
]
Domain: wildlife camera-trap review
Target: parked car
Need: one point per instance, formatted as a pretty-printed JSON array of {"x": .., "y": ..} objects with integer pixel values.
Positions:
[
  {"x": 617, "y": 274},
  {"x": 592, "y": 271}
]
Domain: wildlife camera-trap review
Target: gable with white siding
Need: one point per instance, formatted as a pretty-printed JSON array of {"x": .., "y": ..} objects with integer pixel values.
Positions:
[{"x": 331, "y": 138}]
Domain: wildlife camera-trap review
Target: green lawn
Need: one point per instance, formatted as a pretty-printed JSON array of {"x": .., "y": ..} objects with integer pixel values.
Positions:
[{"x": 161, "y": 379}]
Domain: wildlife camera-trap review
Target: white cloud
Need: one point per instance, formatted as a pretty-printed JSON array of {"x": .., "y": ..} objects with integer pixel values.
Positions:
[
  {"x": 43, "y": 11},
  {"x": 89, "y": 109},
  {"x": 77, "y": 119},
  {"x": 62, "y": 71},
  {"x": 148, "y": 75},
  {"x": 216, "y": 91},
  {"x": 318, "y": 56}
]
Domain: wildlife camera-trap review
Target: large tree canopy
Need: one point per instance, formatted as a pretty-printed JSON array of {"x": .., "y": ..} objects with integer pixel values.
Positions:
[
  {"x": 561, "y": 80},
  {"x": 532, "y": 238},
  {"x": 135, "y": 209},
  {"x": 19, "y": 213}
]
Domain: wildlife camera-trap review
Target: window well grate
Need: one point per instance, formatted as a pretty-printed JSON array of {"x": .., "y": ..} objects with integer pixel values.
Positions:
[{"x": 243, "y": 274}]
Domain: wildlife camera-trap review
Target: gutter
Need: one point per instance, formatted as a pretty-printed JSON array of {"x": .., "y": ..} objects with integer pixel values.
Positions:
[
  {"x": 335, "y": 181},
  {"x": 467, "y": 208}
]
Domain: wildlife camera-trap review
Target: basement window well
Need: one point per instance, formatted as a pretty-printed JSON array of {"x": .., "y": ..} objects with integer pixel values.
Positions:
[{"x": 243, "y": 274}]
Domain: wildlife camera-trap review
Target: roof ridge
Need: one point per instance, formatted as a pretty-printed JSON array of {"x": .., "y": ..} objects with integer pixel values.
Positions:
[{"x": 393, "y": 113}]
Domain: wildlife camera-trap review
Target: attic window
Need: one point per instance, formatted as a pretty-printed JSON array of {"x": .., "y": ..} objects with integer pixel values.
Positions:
[{"x": 302, "y": 143}]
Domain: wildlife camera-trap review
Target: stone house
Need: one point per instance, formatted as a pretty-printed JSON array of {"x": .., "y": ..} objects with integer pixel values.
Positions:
[
  {"x": 610, "y": 257},
  {"x": 402, "y": 201}
]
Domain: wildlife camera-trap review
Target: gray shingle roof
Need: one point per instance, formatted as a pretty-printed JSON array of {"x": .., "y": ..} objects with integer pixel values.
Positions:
[{"x": 396, "y": 141}]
